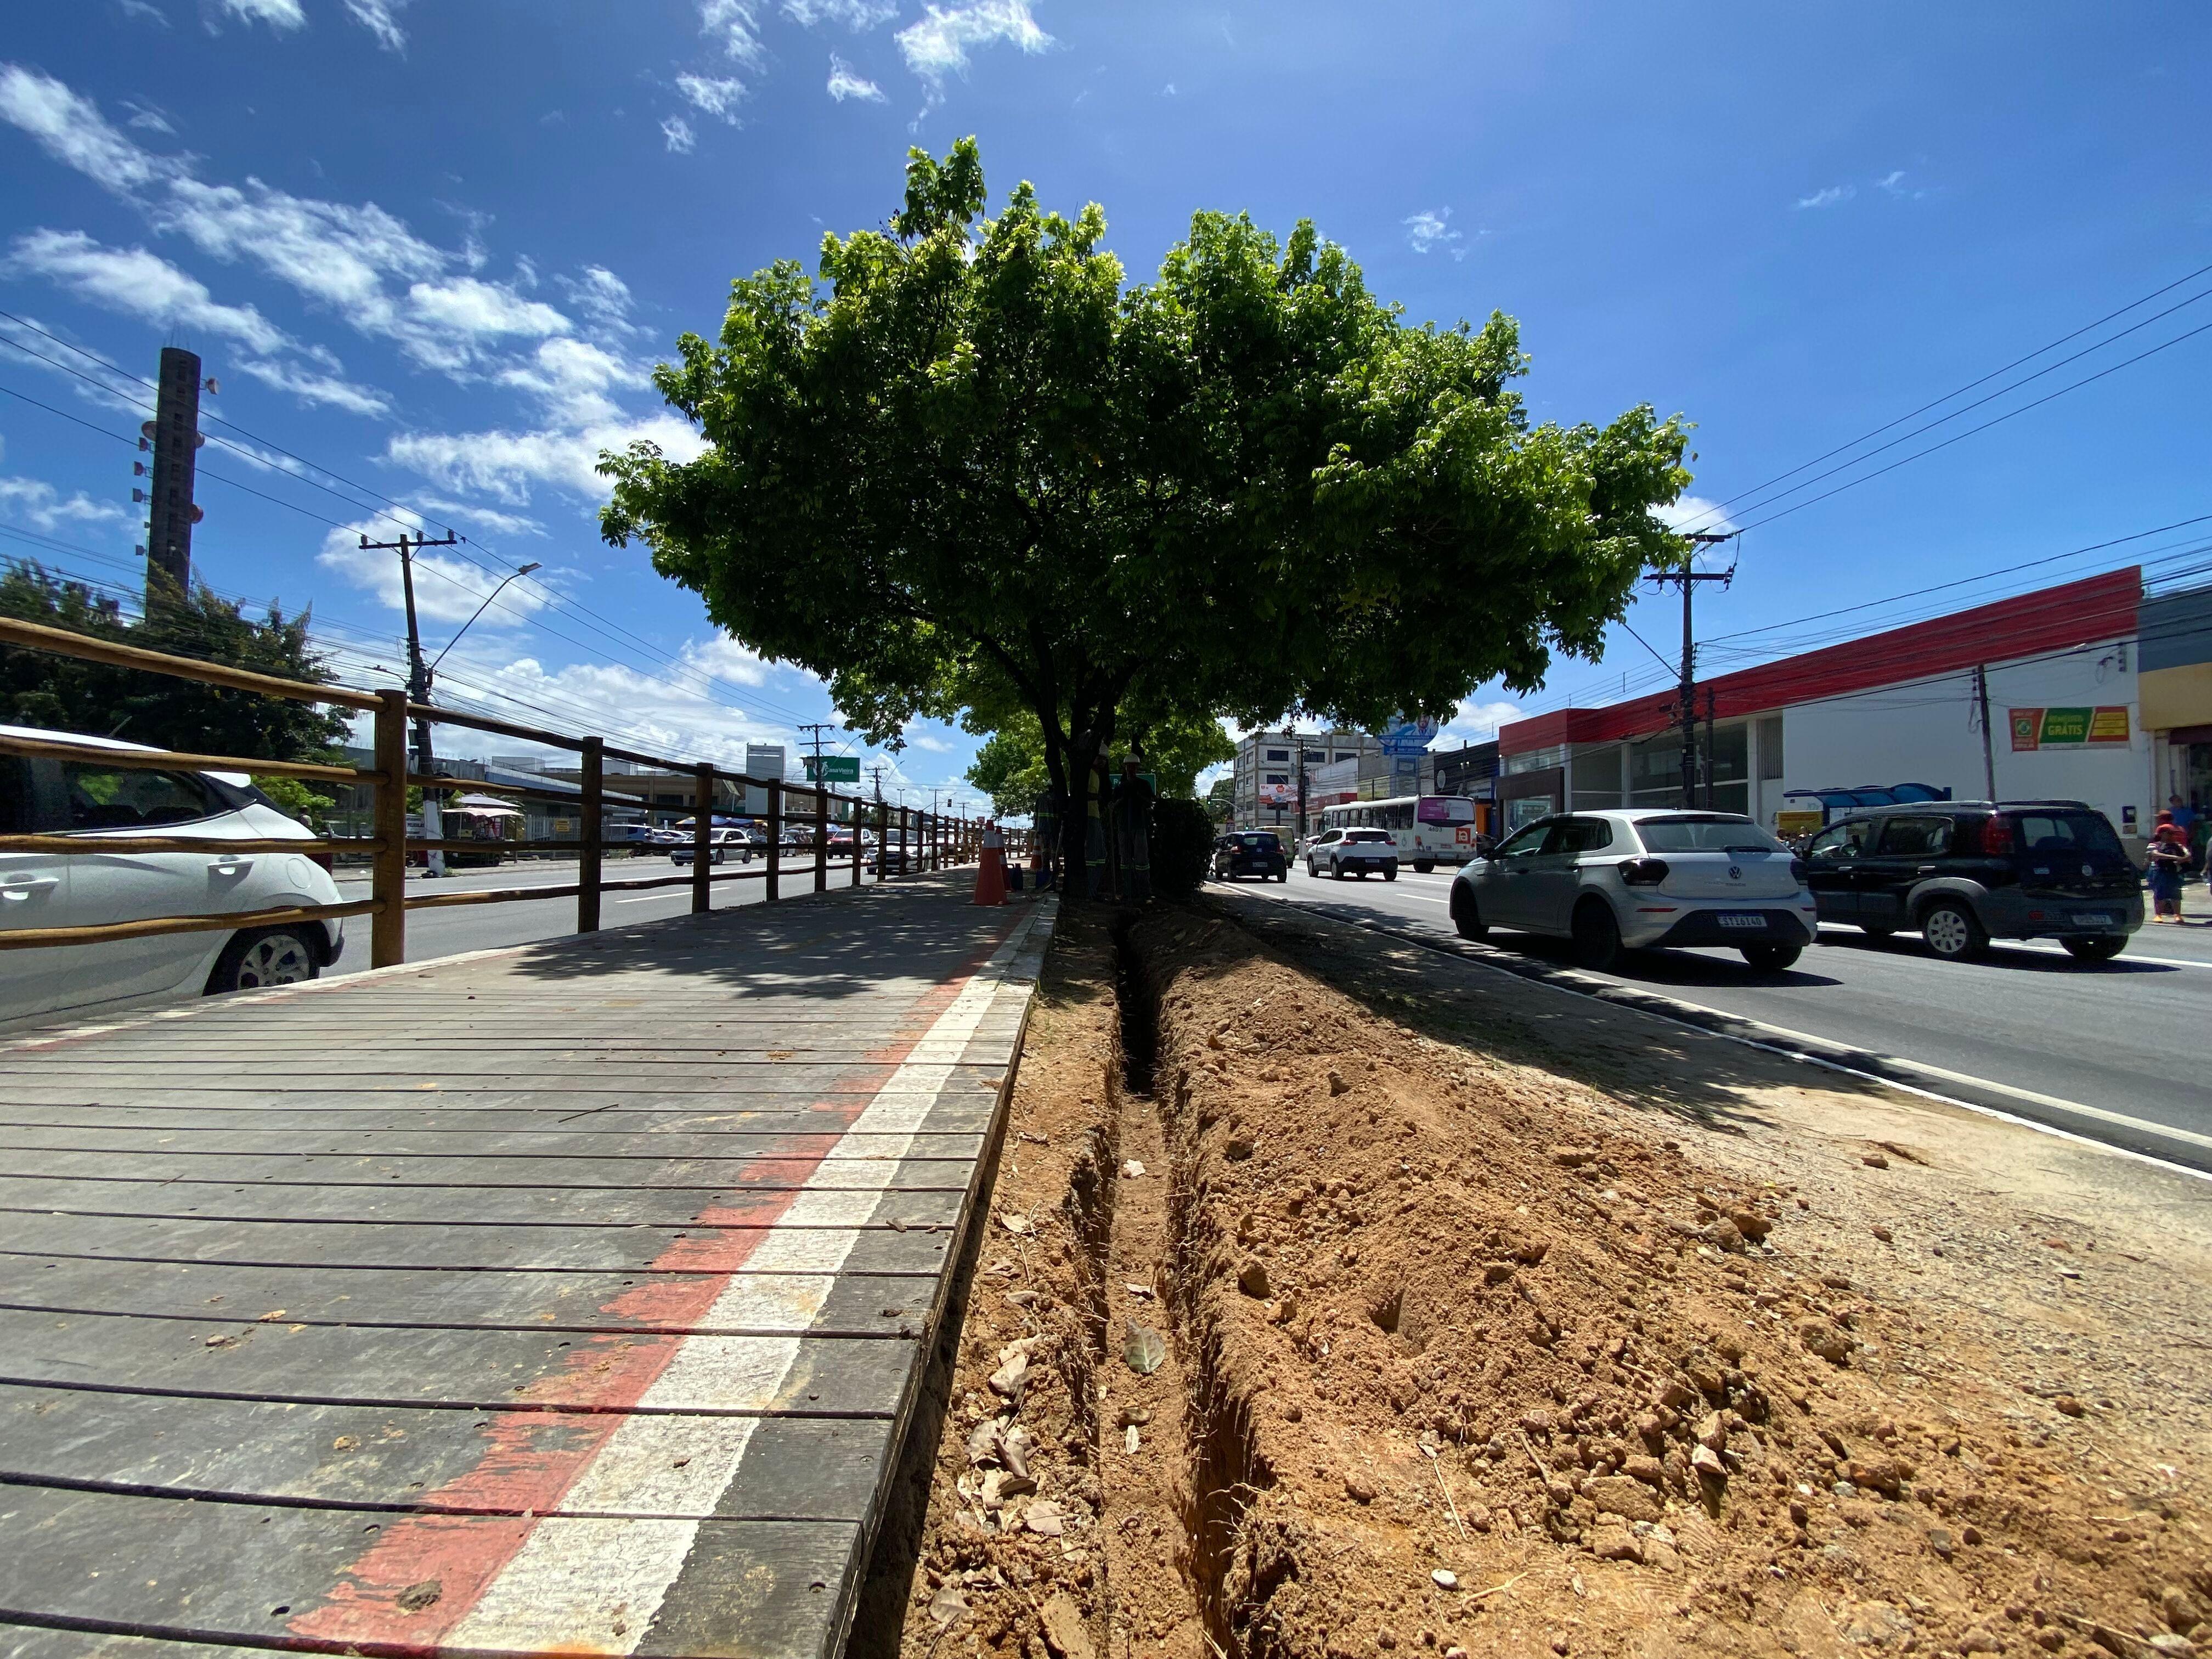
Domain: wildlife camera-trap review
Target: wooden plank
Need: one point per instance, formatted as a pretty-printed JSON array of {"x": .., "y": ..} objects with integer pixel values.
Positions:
[
  {"x": 843, "y": 1305},
  {"x": 396, "y": 1457},
  {"x": 473, "y": 1370},
  {"x": 181, "y": 1144},
  {"x": 461, "y": 1172},
  {"x": 257, "y": 1574},
  {"x": 29, "y": 1642},
  {"x": 389, "y": 1202},
  {"x": 584, "y": 1247}
]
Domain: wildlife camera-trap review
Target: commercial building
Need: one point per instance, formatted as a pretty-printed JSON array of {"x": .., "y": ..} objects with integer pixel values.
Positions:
[
  {"x": 1265, "y": 771},
  {"x": 2071, "y": 713}
]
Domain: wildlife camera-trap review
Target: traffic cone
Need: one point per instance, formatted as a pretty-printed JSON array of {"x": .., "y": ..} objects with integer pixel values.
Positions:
[{"x": 991, "y": 873}]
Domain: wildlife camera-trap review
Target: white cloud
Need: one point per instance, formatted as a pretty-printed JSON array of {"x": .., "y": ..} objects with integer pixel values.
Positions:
[
  {"x": 602, "y": 296},
  {"x": 1427, "y": 231},
  {"x": 377, "y": 17},
  {"x": 1695, "y": 512},
  {"x": 71, "y": 128},
  {"x": 723, "y": 659},
  {"x": 148, "y": 118},
  {"x": 677, "y": 131},
  {"x": 35, "y": 501},
  {"x": 716, "y": 97},
  {"x": 462, "y": 305},
  {"x": 138, "y": 283},
  {"x": 858, "y": 16},
  {"x": 504, "y": 465},
  {"x": 938, "y": 45},
  {"x": 1476, "y": 721},
  {"x": 931, "y": 746},
  {"x": 845, "y": 84},
  {"x": 501, "y": 524},
  {"x": 153, "y": 14},
  {"x": 572, "y": 378},
  {"x": 446, "y": 589},
  {"x": 310, "y": 386},
  {"x": 277, "y": 13},
  {"x": 1828, "y": 197},
  {"x": 738, "y": 24}
]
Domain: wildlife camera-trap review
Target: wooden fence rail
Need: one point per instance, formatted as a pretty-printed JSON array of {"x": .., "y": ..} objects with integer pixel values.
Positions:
[{"x": 923, "y": 841}]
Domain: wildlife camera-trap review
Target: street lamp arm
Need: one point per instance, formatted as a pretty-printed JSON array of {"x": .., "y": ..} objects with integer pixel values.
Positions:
[{"x": 479, "y": 611}]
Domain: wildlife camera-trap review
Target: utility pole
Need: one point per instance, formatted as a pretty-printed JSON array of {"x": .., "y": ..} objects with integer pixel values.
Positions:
[
  {"x": 1689, "y": 577},
  {"x": 173, "y": 435},
  {"x": 418, "y": 683},
  {"x": 1989, "y": 752},
  {"x": 1298, "y": 754}
]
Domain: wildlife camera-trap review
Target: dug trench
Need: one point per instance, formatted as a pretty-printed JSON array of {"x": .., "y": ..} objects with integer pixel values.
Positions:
[{"x": 1303, "y": 1325}]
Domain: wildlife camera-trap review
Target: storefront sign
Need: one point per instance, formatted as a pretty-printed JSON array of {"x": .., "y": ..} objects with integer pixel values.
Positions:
[{"x": 2069, "y": 728}]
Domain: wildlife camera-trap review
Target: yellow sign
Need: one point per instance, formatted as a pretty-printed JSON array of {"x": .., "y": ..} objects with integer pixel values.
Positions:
[{"x": 1790, "y": 825}]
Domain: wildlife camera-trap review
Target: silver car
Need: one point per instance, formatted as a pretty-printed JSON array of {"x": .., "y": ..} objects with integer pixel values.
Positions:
[{"x": 1625, "y": 880}]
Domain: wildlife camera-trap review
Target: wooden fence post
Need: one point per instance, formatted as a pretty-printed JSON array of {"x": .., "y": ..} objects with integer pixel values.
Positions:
[
  {"x": 774, "y": 883},
  {"x": 702, "y": 840},
  {"x": 587, "y": 871},
  {"x": 387, "y": 928},
  {"x": 821, "y": 837}
]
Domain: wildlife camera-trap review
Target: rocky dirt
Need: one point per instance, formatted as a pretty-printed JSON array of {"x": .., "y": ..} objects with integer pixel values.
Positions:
[{"x": 1451, "y": 1311}]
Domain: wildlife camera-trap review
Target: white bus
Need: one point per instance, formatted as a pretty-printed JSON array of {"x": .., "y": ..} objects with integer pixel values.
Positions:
[{"x": 1429, "y": 829}]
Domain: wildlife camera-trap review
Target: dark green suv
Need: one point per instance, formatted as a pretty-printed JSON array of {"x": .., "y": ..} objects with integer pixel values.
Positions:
[{"x": 1961, "y": 873}]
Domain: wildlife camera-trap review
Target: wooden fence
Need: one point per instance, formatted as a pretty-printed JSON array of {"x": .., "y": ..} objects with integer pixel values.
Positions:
[{"x": 923, "y": 840}]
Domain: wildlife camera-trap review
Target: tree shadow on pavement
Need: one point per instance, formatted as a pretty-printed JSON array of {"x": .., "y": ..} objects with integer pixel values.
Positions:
[{"x": 1642, "y": 1061}]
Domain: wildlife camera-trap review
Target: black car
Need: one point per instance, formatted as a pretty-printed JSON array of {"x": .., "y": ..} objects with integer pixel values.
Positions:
[
  {"x": 1249, "y": 853},
  {"x": 1961, "y": 873}
]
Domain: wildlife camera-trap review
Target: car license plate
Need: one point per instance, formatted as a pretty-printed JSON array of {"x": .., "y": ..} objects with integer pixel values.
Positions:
[
  {"x": 1728, "y": 921},
  {"x": 2092, "y": 919}
]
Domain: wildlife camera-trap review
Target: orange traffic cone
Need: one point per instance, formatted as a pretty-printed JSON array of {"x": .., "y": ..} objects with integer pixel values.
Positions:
[{"x": 991, "y": 873}]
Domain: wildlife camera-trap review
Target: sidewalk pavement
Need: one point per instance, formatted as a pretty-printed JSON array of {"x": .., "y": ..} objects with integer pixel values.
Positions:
[{"x": 566, "y": 1298}]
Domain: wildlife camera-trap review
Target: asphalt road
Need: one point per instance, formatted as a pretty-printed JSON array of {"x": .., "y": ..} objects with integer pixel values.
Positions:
[
  {"x": 2028, "y": 1030},
  {"x": 442, "y": 933}
]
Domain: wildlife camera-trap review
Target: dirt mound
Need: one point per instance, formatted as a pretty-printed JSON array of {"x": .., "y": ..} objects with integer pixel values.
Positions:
[{"x": 1453, "y": 1354}]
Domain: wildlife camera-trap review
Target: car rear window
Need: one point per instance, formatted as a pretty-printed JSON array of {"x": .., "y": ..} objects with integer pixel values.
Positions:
[
  {"x": 1369, "y": 835},
  {"x": 1705, "y": 833},
  {"x": 1260, "y": 843},
  {"x": 2065, "y": 832}
]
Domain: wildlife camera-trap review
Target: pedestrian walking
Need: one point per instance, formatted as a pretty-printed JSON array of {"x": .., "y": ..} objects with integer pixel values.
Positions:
[{"x": 2169, "y": 857}]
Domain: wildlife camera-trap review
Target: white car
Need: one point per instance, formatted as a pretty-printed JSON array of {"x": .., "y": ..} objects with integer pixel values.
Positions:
[
  {"x": 79, "y": 890},
  {"x": 1354, "y": 852},
  {"x": 720, "y": 844},
  {"x": 1615, "y": 881}
]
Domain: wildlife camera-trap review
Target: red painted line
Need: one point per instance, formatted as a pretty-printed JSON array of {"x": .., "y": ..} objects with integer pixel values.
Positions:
[{"x": 531, "y": 1458}]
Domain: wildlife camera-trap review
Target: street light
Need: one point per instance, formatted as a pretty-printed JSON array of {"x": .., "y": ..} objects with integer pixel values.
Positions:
[{"x": 479, "y": 611}]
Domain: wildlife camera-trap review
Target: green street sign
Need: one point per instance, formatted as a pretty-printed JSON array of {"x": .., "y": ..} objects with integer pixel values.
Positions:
[{"x": 835, "y": 769}]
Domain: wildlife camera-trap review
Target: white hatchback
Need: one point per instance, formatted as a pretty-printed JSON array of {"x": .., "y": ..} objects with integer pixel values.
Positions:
[
  {"x": 1611, "y": 881},
  {"x": 78, "y": 889}
]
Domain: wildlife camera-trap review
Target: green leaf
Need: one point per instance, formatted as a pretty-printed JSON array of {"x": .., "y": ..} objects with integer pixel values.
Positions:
[{"x": 1146, "y": 1349}]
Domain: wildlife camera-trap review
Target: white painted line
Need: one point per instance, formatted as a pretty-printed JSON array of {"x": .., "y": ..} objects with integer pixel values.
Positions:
[{"x": 595, "y": 1585}]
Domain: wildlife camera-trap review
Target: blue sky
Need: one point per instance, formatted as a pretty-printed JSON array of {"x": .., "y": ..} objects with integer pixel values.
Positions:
[{"x": 434, "y": 246}]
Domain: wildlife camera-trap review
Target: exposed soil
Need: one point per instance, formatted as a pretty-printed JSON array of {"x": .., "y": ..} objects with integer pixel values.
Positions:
[{"x": 1500, "y": 1320}]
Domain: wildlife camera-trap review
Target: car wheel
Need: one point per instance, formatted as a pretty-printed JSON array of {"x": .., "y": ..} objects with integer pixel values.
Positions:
[
  {"x": 1283, "y": 875},
  {"x": 1335, "y": 871},
  {"x": 1773, "y": 958},
  {"x": 1953, "y": 932},
  {"x": 1596, "y": 936},
  {"x": 1467, "y": 914},
  {"x": 1310, "y": 868},
  {"x": 1389, "y": 872},
  {"x": 1422, "y": 867},
  {"x": 263, "y": 957},
  {"x": 2102, "y": 948}
]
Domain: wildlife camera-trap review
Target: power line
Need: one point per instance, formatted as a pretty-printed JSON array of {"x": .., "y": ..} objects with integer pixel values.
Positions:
[{"x": 1961, "y": 391}]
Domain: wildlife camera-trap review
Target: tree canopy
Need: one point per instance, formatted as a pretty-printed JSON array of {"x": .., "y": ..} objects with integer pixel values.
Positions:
[
  {"x": 966, "y": 469},
  {"x": 62, "y": 693}
]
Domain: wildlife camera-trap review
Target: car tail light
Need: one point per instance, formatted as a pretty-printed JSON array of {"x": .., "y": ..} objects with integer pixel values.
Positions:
[
  {"x": 1996, "y": 836},
  {"x": 1643, "y": 873}
]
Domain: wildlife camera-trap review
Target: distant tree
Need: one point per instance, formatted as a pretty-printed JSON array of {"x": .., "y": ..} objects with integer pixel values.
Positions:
[
  {"x": 966, "y": 469},
  {"x": 1221, "y": 798},
  {"x": 62, "y": 693},
  {"x": 1010, "y": 765}
]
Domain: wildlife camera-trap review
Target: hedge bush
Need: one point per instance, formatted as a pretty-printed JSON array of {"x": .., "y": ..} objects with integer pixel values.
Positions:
[{"x": 1182, "y": 847}]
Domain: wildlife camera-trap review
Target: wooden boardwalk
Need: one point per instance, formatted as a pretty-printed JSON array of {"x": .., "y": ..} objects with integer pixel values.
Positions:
[{"x": 570, "y": 1299}]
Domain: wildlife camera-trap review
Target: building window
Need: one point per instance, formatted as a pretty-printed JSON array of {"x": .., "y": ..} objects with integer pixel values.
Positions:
[
  {"x": 1278, "y": 754},
  {"x": 1278, "y": 777},
  {"x": 1770, "y": 748}
]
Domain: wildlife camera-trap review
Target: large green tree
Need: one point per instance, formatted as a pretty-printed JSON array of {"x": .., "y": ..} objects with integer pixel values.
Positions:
[
  {"x": 64, "y": 694},
  {"x": 966, "y": 468},
  {"x": 1010, "y": 765}
]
